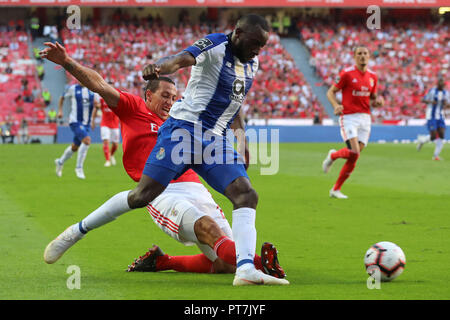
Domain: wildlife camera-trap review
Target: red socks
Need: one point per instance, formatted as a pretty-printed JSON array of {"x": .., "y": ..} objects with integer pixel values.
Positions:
[
  {"x": 343, "y": 153},
  {"x": 106, "y": 151},
  {"x": 224, "y": 248},
  {"x": 348, "y": 167},
  {"x": 198, "y": 263},
  {"x": 113, "y": 148}
]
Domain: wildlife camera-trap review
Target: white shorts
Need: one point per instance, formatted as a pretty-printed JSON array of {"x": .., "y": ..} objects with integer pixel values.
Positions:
[
  {"x": 177, "y": 209},
  {"x": 112, "y": 135},
  {"x": 355, "y": 125}
]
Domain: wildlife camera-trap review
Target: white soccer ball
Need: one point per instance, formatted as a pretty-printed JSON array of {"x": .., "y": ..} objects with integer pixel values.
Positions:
[{"x": 387, "y": 258}]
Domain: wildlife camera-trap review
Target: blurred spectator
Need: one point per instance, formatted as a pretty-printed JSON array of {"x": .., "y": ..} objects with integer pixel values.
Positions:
[
  {"x": 50, "y": 32},
  {"x": 7, "y": 132},
  {"x": 40, "y": 71},
  {"x": 46, "y": 95},
  {"x": 52, "y": 114},
  {"x": 23, "y": 136},
  {"x": 35, "y": 27}
]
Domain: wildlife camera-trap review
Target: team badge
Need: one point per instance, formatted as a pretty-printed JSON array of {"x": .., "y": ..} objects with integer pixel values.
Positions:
[
  {"x": 338, "y": 78},
  {"x": 161, "y": 154},
  {"x": 371, "y": 82},
  {"x": 173, "y": 213},
  {"x": 202, "y": 44}
]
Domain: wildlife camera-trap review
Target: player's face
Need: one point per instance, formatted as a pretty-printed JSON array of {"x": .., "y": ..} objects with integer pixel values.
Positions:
[
  {"x": 362, "y": 56},
  {"x": 162, "y": 100},
  {"x": 441, "y": 84},
  {"x": 248, "y": 44}
]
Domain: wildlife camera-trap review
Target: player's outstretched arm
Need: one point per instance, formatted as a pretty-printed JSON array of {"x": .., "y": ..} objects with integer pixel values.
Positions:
[
  {"x": 87, "y": 77},
  {"x": 168, "y": 65}
]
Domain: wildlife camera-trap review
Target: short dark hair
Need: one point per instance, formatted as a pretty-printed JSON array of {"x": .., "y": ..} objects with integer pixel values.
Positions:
[
  {"x": 252, "y": 20},
  {"x": 153, "y": 84},
  {"x": 356, "y": 47}
]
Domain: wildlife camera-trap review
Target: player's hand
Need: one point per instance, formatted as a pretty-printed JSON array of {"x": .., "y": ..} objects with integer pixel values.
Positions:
[
  {"x": 151, "y": 72},
  {"x": 92, "y": 125},
  {"x": 55, "y": 53},
  {"x": 379, "y": 102},
  {"x": 339, "y": 110},
  {"x": 60, "y": 115}
]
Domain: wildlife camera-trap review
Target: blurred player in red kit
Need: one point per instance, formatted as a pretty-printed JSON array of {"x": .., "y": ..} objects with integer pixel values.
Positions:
[
  {"x": 109, "y": 131},
  {"x": 359, "y": 93}
]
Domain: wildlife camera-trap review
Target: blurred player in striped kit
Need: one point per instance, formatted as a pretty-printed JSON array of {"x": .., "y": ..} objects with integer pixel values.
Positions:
[
  {"x": 109, "y": 132},
  {"x": 82, "y": 102},
  {"x": 437, "y": 100}
]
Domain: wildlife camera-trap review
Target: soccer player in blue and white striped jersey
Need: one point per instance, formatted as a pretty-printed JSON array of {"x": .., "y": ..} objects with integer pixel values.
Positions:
[
  {"x": 82, "y": 102},
  {"x": 437, "y": 99}
]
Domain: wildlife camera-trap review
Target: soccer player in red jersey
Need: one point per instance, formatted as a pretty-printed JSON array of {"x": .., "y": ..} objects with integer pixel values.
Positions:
[
  {"x": 109, "y": 131},
  {"x": 185, "y": 210},
  {"x": 359, "y": 92}
]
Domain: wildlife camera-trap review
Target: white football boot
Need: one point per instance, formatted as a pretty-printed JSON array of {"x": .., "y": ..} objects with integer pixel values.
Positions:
[
  {"x": 80, "y": 173},
  {"x": 59, "y": 168},
  {"x": 113, "y": 161},
  {"x": 337, "y": 194},
  {"x": 108, "y": 163},
  {"x": 60, "y": 244},
  {"x": 252, "y": 276},
  {"x": 326, "y": 164}
]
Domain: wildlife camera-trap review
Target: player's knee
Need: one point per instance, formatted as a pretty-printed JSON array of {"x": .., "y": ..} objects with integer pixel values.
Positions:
[
  {"x": 353, "y": 157},
  {"x": 145, "y": 192},
  {"x": 87, "y": 140},
  {"x": 136, "y": 199},
  {"x": 244, "y": 196},
  {"x": 207, "y": 230},
  {"x": 139, "y": 197}
]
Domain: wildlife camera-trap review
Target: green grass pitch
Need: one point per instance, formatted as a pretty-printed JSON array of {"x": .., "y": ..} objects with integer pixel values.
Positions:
[{"x": 395, "y": 194}]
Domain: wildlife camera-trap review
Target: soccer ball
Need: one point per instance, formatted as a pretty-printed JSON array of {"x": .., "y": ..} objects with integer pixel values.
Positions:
[{"x": 387, "y": 258}]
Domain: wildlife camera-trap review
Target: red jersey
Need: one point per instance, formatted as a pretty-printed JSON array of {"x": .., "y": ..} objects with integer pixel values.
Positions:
[
  {"x": 356, "y": 86},
  {"x": 109, "y": 119},
  {"x": 139, "y": 128}
]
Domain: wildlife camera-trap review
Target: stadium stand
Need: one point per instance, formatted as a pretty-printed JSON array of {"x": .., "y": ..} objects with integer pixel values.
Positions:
[
  {"x": 19, "y": 85},
  {"x": 408, "y": 57},
  {"x": 120, "y": 52}
]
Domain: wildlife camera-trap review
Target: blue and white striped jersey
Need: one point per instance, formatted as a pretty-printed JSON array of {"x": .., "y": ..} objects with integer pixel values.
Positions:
[
  {"x": 435, "y": 110},
  {"x": 81, "y": 101},
  {"x": 218, "y": 84}
]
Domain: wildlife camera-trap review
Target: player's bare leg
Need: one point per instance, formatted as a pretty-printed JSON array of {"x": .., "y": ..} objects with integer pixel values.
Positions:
[
  {"x": 107, "y": 153},
  {"x": 145, "y": 192}
]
